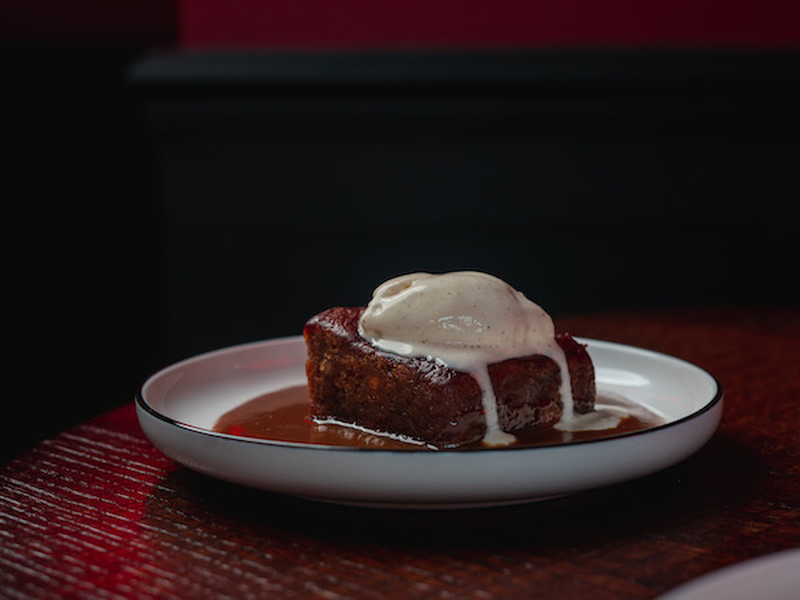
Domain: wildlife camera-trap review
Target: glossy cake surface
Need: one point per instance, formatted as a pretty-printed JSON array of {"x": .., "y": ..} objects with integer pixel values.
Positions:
[{"x": 352, "y": 381}]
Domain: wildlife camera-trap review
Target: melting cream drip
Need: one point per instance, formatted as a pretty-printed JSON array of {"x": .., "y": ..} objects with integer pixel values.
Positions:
[{"x": 466, "y": 320}]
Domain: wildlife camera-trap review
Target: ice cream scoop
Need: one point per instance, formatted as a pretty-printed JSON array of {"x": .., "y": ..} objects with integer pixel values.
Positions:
[{"x": 445, "y": 315}]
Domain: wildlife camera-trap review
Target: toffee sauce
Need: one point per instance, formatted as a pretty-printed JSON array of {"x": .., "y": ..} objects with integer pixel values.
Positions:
[{"x": 283, "y": 415}]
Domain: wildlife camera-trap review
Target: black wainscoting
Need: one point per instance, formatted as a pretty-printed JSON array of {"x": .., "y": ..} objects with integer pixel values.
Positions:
[{"x": 591, "y": 180}]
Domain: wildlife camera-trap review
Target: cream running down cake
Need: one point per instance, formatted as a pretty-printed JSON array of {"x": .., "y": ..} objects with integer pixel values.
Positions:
[{"x": 447, "y": 360}]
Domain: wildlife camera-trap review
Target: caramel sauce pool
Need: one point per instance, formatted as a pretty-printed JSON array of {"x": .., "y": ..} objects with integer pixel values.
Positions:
[{"x": 283, "y": 415}]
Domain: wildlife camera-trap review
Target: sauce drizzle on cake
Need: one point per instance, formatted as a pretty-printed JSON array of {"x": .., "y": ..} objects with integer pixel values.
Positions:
[{"x": 465, "y": 320}]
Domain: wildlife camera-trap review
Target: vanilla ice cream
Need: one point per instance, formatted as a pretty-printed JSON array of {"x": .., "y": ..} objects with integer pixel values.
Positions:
[{"x": 465, "y": 320}]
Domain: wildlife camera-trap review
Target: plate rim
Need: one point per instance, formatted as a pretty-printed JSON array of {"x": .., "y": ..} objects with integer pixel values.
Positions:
[{"x": 142, "y": 404}]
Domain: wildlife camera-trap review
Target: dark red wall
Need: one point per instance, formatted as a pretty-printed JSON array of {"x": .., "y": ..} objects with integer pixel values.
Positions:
[
  {"x": 489, "y": 23},
  {"x": 411, "y": 23}
]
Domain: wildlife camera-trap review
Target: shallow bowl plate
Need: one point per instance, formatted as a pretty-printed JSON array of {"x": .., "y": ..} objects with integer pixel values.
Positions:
[{"x": 178, "y": 407}]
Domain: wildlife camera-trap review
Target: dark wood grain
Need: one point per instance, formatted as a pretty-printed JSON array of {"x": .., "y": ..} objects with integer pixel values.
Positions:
[{"x": 97, "y": 512}]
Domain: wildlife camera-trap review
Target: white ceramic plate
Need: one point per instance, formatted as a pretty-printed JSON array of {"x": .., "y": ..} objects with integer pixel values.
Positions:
[
  {"x": 771, "y": 577},
  {"x": 178, "y": 406}
]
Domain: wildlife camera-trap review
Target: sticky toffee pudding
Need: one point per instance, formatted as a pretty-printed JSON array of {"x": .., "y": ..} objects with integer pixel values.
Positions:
[{"x": 453, "y": 361}]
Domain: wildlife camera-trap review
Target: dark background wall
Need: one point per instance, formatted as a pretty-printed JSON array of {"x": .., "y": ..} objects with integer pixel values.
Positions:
[
  {"x": 80, "y": 202},
  {"x": 186, "y": 177},
  {"x": 591, "y": 180}
]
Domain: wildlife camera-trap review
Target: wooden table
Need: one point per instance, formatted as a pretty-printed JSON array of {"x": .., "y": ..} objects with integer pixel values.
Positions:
[{"x": 98, "y": 512}]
